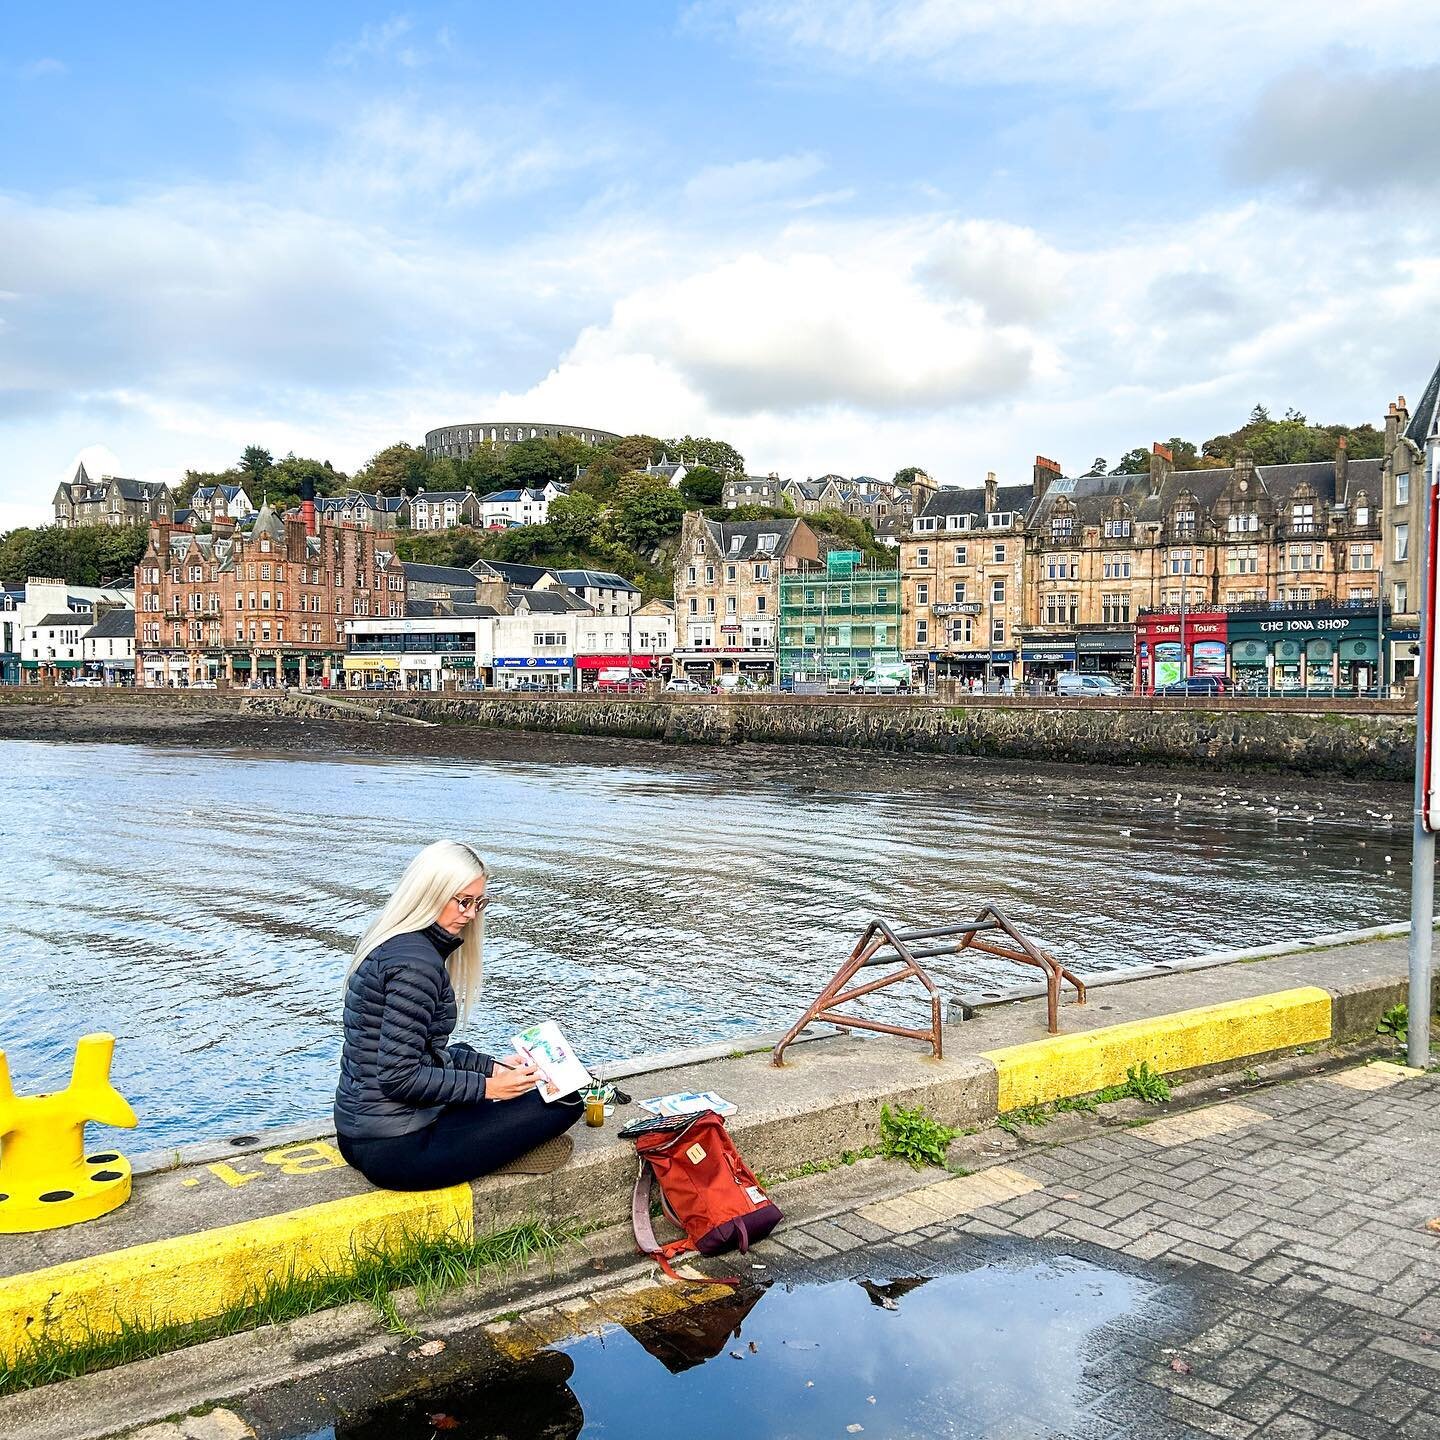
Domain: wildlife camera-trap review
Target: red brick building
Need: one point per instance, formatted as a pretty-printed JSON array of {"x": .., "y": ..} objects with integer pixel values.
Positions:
[{"x": 268, "y": 604}]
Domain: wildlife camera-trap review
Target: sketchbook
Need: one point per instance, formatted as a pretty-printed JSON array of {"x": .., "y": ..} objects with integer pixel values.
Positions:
[
  {"x": 688, "y": 1102},
  {"x": 552, "y": 1055}
]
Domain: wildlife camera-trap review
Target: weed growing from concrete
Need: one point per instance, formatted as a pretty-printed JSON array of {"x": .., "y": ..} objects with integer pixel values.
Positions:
[
  {"x": 428, "y": 1264},
  {"x": 913, "y": 1136},
  {"x": 1395, "y": 1023},
  {"x": 1012, "y": 1120},
  {"x": 1141, "y": 1083}
]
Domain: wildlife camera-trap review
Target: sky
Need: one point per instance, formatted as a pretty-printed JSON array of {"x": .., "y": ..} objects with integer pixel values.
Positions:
[{"x": 844, "y": 235}]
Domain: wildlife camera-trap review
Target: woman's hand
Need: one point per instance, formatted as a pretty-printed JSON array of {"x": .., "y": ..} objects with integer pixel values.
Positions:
[{"x": 510, "y": 1079}]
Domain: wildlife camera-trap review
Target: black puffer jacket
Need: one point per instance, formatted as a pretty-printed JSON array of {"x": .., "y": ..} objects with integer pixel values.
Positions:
[{"x": 396, "y": 1071}]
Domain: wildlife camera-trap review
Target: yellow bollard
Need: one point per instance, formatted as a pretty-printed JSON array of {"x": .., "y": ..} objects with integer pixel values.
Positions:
[{"x": 46, "y": 1178}]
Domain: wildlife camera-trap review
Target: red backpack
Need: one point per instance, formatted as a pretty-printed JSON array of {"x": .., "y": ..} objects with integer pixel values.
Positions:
[{"x": 705, "y": 1188}]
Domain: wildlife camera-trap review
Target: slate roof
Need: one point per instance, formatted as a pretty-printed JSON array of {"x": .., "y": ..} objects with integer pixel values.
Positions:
[
  {"x": 725, "y": 532},
  {"x": 458, "y": 495},
  {"x": 135, "y": 490},
  {"x": 550, "y": 602},
  {"x": 1426, "y": 413},
  {"x": 595, "y": 580},
  {"x": 525, "y": 576},
  {"x": 455, "y": 575},
  {"x": 207, "y": 492},
  {"x": 117, "y": 624},
  {"x": 59, "y": 618},
  {"x": 183, "y": 517},
  {"x": 971, "y": 500}
]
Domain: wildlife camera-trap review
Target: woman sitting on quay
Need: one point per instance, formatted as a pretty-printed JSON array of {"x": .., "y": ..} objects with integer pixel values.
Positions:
[{"x": 413, "y": 1112}]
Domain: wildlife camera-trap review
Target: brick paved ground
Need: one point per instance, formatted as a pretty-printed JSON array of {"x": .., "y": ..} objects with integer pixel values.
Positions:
[{"x": 1299, "y": 1289}]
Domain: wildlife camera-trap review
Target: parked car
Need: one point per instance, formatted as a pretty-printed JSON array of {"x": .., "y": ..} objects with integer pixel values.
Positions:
[
  {"x": 86, "y": 682},
  {"x": 1199, "y": 685},
  {"x": 200, "y": 685},
  {"x": 681, "y": 686},
  {"x": 1099, "y": 686}
]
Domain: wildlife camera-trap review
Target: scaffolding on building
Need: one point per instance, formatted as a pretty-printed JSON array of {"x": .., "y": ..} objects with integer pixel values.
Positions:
[{"x": 837, "y": 623}]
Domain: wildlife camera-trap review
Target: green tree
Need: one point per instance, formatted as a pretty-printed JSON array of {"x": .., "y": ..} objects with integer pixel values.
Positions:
[
  {"x": 521, "y": 544},
  {"x": 1132, "y": 462},
  {"x": 87, "y": 555},
  {"x": 396, "y": 470},
  {"x": 907, "y": 475},
  {"x": 256, "y": 462},
  {"x": 646, "y": 511},
  {"x": 1097, "y": 466},
  {"x": 574, "y": 520},
  {"x": 634, "y": 452},
  {"x": 703, "y": 486},
  {"x": 544, "y": 458},
  {"x": 714, "y": 454},
  {"x": 482, "y": 470}
]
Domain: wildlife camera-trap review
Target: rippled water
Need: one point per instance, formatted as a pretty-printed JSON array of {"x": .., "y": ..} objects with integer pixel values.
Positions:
[{"x": 202, "y": 904}]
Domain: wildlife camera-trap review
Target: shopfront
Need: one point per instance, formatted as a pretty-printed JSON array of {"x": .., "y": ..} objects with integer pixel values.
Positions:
[
  {"x": 364, "y": 672},
  {"x": 1106, "y": 652},
  {"x": 1318, "y": 650},
  {"x": 1170, "y": 648},
  {"x": 639, "y": 667},
  {"x": 1043, "y": 660},
  {"x": 535, "y": 672}
]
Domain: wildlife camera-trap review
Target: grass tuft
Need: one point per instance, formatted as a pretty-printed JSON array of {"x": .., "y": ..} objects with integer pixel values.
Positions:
[{"x": 428, "y": 1264}]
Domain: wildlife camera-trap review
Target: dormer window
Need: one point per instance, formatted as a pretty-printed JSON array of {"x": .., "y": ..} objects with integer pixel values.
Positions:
[
  {"x": 737, "y": 544},
  {"x": 767, "y": 543},
  {"x": 1000, "y": 519},
  {"x": 1362, "y": 510},
  {"x": 1062, "y": 527},
  {"x": 1118, "y": 528}
]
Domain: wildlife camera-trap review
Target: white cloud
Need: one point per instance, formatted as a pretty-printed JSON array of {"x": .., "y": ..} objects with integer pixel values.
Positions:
[
  {"x": 747, "y": 181},
  {"x": 1140, "y": 52},
  {"x": 377, "y": 42},
  {"x": 46, "y": 65}
]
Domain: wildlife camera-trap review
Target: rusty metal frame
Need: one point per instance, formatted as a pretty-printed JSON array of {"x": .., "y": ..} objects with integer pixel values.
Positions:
[{"x": 880, "y": 944}]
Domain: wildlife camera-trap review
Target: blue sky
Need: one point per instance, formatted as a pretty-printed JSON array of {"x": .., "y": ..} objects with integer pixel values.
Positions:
[{"x": 846, "y": 236}]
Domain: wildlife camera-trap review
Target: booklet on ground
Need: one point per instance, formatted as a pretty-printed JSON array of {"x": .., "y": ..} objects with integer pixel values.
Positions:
[
  {"x": 688, "y": 1102},
  {"x": 561, "y": 1072}
]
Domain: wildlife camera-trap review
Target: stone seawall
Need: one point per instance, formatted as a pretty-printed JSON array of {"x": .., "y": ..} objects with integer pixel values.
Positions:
[{"x": 1378, "y": 746}]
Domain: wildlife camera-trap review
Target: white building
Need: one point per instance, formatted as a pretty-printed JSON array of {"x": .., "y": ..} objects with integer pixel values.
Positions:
[
  {"x": 47, "y": 598},
  {"x": 573, "y": 650},
  {"x": 422, "y": 651},
  {"x": 501, "y": 509},
  {"x": 107, "y": 648},
  {"x": 50, "y": 648},
  {"x": 603, "y": 591},
  {"x": 443, "y": 509}
]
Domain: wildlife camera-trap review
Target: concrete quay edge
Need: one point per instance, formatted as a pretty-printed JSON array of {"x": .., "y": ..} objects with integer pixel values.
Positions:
[{"x": 195, "y": 1240}]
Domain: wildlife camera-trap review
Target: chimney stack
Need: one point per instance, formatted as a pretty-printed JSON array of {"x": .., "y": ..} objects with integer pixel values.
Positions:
[
  {"x": 295, "y": 533},
  {"x": 1342, "y": 466},
  {"x": 1245, "y": 469},
  {"x": 1162, "y": 467},
  {"x": 1045, "y": 473},
  {"x": 922, "y": 492},
  {"x": 990, "y": 490},
  {"x": 307, "y": 504}
]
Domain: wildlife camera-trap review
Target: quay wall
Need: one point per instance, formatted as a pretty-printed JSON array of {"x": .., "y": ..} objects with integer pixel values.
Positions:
[
  {"x": 1356, "y": 739},
  {"x": 1377, "y": 745}
]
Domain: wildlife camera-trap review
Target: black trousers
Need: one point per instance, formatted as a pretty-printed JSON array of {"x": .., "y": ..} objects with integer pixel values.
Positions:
[{"x": 462, "y": 1143}]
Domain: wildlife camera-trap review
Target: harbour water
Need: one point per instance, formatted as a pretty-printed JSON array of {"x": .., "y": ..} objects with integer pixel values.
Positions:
[{"x": 202, "y": 904}]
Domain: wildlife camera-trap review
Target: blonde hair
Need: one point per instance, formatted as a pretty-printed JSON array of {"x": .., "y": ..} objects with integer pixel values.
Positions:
[{"x": 436, "y": 874}]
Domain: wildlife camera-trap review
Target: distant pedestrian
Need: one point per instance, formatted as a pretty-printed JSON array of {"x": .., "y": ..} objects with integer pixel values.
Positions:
[{"x": 413, "y": 1112}]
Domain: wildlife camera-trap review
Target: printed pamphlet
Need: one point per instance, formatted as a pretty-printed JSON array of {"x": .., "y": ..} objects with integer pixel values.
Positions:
[
  {"x": 688, "y": 1102},
  {"x": 553, "y": 1056}
]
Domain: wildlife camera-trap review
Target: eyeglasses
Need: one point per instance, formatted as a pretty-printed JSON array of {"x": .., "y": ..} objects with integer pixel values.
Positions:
[{"x": 470, "y": 904}]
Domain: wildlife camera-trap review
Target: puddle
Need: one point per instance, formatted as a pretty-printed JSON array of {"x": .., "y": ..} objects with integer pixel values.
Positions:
[{"x": 999, "y": 1350}]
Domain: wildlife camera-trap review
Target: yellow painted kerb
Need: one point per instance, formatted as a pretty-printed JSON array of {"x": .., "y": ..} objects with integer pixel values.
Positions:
[
  {"x": 1064, "y": 1065},
  {"x": 192, "y": 1277}
]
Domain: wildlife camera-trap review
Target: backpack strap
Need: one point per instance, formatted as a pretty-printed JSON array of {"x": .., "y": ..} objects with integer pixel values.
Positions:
[{"x": 644, "y": 1228}]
